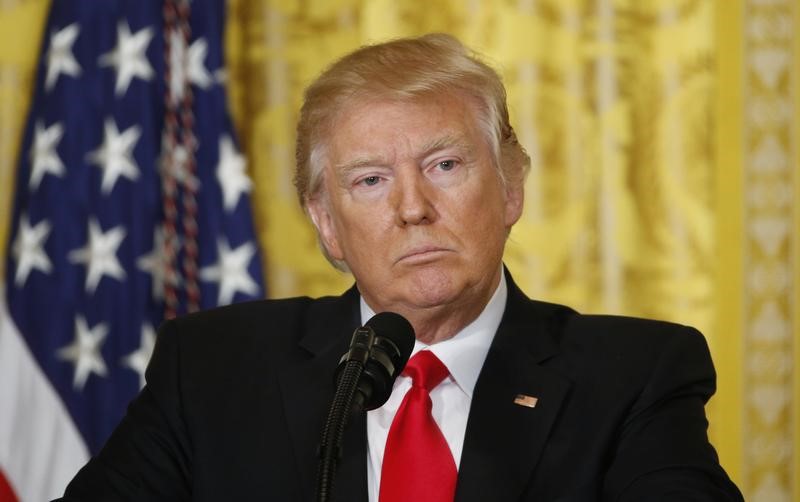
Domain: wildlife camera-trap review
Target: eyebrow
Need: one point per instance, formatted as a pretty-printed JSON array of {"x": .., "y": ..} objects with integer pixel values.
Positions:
[
  {"x": 448, "y": 141},
  {"x": 358, "y": 162},
  {"x": 343, "y": 172}
]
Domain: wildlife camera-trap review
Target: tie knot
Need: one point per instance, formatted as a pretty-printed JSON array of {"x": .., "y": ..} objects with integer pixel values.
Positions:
[{"x": 426, "y": 370}]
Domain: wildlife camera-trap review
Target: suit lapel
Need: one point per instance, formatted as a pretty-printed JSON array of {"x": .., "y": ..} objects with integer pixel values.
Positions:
[
  {"x": 307, "y": 390},
  {"x": 504, "y": 440}
]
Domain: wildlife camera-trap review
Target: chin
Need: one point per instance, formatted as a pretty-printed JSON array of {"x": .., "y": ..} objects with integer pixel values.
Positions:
[{"x": 433, "y": 287}]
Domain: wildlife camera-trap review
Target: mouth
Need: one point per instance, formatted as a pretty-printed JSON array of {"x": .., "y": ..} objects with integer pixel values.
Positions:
[{"x": 422, "y": 254}]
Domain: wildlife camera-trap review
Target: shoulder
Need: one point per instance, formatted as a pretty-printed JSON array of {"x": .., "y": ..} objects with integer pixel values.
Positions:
[
  {"x": 213, "y": 348},
  {"x": 257, "y": 317},
  {"x": 247, "y": 315},
  {"x": 566, "y": 326},
  {"x": 620, "y": 348},
  {"x": 245, "y": 330},
  {"x": 550, "y": 325},
  {"x": 570, "y": 328},
  {"x": 623, "y": 334}
]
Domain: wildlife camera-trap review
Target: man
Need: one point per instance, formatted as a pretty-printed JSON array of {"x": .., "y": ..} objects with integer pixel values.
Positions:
[{"x": 413, "y": 177}]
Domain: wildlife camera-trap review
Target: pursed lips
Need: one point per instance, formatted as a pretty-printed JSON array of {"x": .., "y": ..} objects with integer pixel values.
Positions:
[{"x": 421, "y": 253}]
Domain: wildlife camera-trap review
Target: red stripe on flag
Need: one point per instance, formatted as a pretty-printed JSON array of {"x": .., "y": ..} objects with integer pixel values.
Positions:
[{"x": 6, "y": 492}]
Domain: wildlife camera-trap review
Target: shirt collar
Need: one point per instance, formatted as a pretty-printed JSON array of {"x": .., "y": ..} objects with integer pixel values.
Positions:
[{"x": 464, "y": 353}]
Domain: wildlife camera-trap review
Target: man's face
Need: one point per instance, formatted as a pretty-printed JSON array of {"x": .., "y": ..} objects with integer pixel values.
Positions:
[{"x": 414, "y": 205}]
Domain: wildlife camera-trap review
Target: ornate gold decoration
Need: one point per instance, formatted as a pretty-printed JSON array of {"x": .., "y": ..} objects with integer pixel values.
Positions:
[{"x": 770, "y": 149}]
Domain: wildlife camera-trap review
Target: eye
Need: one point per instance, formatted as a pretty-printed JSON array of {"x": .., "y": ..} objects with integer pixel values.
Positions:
[
  {"x": 446, "y": 165},
  {"x": 370, "y": 180}
]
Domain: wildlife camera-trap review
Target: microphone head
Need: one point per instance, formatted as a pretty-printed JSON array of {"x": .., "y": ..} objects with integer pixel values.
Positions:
[
  {"x": 396, "y": 329},
  {"x": 394, "y": 341}
]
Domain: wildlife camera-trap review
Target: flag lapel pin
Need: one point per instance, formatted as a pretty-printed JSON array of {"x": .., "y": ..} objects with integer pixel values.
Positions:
[{"x": 526, "y": 401}]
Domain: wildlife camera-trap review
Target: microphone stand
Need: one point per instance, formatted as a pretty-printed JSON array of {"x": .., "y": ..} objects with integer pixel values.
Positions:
[
  {"x": 364, "y": 380},
  {"x": 345, "y": 402}
]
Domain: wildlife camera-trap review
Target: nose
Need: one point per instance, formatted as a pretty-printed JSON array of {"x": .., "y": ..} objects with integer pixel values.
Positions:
[{"x": 413, "y": 199}]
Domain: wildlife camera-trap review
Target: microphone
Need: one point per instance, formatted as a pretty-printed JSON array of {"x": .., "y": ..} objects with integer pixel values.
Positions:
[
  {"x": 378, "y": 352},
  {"x": 381, "y": 348}
]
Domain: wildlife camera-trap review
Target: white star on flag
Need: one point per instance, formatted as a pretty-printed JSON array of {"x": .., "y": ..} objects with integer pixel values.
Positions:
[
  {"x": 187, "y": 64},
  {"x": 115, "y": 155},
  {"x": 198, "y": 74},
  {"x": 138, "y": 359},
  {"x": 28, "y": 249},
  {"x": 84, "y": 352},
  {"x": 59, "y": 57},
  {"x": 155, "y": 263},
  {"x": 231, "y": 173},
  {"x": 129, "y": 57},
  {"x": 43, "y": 155},
  {"x": 99, "y": 254},
  {"x": 230, "y": 271}
]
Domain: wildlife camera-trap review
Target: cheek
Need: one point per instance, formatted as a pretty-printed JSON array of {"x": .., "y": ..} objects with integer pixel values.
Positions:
[
  {"x": 361, "y": 234},
  {"x": 483, "y": 221},
  {"x": 481, "y": 210}
]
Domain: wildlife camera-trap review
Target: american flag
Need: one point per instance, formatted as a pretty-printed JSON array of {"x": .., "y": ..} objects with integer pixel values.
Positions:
[{"x": 131, "y": 204}]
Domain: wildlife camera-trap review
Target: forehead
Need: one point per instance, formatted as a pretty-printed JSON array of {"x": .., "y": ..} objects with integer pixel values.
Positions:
[{"x": 390, "y": 126}]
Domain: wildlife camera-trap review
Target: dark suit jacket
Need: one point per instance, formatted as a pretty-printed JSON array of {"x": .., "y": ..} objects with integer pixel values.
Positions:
[{"x": 236, "y": 398}]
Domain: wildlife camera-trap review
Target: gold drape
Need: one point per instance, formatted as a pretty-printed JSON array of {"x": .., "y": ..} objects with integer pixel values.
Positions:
[
  {"x": 665, "y": 181},
  {"x": 21, "y": 24}
]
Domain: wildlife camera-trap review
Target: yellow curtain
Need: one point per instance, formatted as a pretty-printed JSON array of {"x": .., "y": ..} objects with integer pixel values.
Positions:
[
  {"x": 665, "y": 138},
  {"x": 21, "y": 24}
]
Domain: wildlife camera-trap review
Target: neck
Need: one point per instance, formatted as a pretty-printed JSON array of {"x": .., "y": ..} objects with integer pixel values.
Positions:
[
  {"x": 434, "y": 327},
  {"x": 438, "y": 323}
]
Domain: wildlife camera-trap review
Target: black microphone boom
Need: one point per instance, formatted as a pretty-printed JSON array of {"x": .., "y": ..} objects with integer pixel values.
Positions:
[{"x": 364, "y": 378}]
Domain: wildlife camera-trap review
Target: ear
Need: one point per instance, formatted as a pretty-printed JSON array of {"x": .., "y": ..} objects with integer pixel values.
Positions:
[
  {"x": 319, "y": 210},
  {"x": 515, "y": 199}
]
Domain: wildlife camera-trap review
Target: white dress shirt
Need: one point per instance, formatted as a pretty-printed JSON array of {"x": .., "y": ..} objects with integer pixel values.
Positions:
[{"x": 463, "y": 355}]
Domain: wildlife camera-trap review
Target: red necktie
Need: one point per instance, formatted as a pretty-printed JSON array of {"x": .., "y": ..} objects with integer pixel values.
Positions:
[{"x": 417, "y": 463}]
